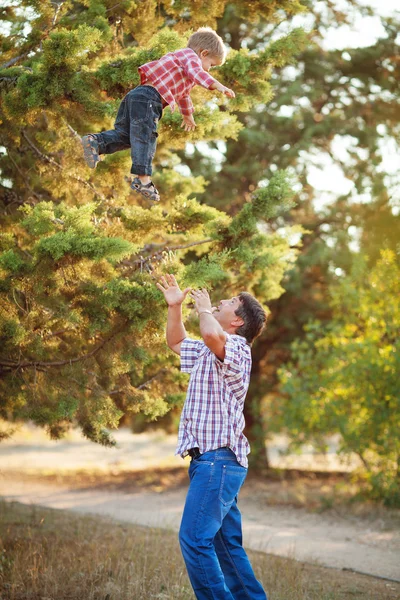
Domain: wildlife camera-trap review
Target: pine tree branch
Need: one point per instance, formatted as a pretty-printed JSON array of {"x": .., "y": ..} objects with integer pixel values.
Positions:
[
  {"x": 57, "y": 10},
  {"x": 146, "y": 261},
  {"x": 8, "y": 197},
  {"x": 51, "y": 161},
  {"x": 14, "y": 60},
  {"x": 184, "y": 246},
  {"x": 112, "y": 7},
  {"x": 120, "y": 390},
  {"x": 56, "y": 333},
  {"x": 142, "y": 385},
  {"x": 146, "y": 383},
  {"x": 13, "y": 364},
  {"x": 37, "y": 196}
]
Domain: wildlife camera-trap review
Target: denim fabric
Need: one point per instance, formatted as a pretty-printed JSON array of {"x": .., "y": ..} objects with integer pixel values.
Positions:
[
  {"x": 211, "y": 530},
  {"x": 136, "y": 128}
]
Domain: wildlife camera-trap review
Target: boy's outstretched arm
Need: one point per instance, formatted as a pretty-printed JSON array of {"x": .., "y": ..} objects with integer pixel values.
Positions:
[
  {"x": 174, "y": 297},
  {"x": 222, "y": 88},
  {"x": 195, "y": 72}
]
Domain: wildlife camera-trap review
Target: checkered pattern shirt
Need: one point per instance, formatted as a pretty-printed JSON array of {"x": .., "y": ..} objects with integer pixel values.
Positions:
[
  {"x": 212, "y": 416},
  {"x": 174, "y": 75}
]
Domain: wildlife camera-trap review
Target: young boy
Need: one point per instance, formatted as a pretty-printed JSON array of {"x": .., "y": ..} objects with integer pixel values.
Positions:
[{"x": 167, "y": 81}]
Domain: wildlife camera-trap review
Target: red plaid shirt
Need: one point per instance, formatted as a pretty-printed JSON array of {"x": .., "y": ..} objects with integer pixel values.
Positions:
[
  {"x": 174, "y": 75},
  {"x": 212, "y": 416}
]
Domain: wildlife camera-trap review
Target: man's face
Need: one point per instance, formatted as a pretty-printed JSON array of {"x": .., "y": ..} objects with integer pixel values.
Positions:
[{"x": 224, "y": 313}]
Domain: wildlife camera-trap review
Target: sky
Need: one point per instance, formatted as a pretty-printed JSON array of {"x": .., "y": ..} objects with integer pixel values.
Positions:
[{"x": 364, "y": 30}]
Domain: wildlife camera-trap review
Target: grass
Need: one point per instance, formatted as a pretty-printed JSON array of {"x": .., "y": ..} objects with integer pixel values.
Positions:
[{"x": 47, "y": 554}]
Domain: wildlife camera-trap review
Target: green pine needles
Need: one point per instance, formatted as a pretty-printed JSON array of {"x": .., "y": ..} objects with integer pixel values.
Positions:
[{"x": 81, "y": 321}]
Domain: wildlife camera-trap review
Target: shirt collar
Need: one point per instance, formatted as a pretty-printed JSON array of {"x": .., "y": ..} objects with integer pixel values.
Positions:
[{"x": 239, "y": 337}]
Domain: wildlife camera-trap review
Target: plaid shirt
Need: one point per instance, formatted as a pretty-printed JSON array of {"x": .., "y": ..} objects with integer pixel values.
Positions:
[
  {"x": 212, "y": 416},
  {"x": 174, "y": 75}
]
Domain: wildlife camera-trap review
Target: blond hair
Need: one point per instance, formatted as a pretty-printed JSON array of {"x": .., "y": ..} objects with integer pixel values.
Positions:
[{"x": 206, "y": 38}]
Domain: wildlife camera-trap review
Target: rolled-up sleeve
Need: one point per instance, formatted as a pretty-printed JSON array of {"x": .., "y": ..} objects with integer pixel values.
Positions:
[
  {"x": 190, "y": 352},
  {"x": 236, "y": 355}
]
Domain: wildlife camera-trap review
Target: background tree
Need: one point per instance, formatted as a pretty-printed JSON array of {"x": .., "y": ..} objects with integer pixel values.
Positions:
[
  {"x": 344, "y": 375},
  {"x": 333, "y": 108},
  {"x": 81, "y": 322}
]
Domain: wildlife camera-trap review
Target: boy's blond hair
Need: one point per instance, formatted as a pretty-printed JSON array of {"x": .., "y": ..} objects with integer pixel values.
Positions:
[{"x": 206, "y": 38}]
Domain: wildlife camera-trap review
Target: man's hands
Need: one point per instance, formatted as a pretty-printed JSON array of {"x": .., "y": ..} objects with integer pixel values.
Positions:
[
  {"x": 211, "y": 331},
  {"x": 174, "y": 296},
  {"x": 172, "y": 293},
  {"x": 188, "y": 123},
  {"x": 202, "y": 300}
]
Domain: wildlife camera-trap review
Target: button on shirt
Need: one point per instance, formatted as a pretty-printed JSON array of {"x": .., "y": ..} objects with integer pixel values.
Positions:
[
  {"x": 212, "y": 416},
  {"x": 174, "y": 75}
]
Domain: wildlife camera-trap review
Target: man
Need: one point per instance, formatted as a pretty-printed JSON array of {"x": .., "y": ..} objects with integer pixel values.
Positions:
[{"x": 211, "y": 432}]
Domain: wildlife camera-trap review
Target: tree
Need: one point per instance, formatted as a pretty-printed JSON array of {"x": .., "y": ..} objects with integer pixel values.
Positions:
[
  {"x": 333, "y": 107},
  {"x": 81, "y": 322},
  {"x": 343, "y": 377}
]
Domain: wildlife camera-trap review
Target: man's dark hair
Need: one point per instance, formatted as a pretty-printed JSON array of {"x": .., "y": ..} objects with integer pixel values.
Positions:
[{"x": 253, "y": 315}]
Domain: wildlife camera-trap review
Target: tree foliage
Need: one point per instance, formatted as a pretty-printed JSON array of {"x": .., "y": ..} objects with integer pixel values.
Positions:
[
  {"x": 81, "y": 321},
  {"x": 343, "y": 377},
  {"x": 333, "y": 108}
]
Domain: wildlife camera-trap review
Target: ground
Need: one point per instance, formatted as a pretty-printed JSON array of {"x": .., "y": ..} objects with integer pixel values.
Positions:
[{"x": 303, "y": 515}]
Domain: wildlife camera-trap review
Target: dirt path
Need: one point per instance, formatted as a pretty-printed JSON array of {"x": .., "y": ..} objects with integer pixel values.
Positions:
[
  {"x": 346, "y": 542},
  {"x": 284, "y": 531}
]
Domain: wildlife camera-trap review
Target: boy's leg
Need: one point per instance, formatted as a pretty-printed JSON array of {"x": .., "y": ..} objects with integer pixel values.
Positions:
[
  {"x": 235, "y": 564},
  {"x": 145, "y": 110},
  {"x": 107, "y": 142},
  {"x": 116, "y": 139},
  {"x": 214, "y": 483}
]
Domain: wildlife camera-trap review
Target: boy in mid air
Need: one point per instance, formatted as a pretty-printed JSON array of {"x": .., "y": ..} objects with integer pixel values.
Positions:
[{"x": 166, "y": 81}]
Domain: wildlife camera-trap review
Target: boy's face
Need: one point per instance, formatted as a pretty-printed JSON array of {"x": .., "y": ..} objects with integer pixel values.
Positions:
[{"x": 208, "y": 60}]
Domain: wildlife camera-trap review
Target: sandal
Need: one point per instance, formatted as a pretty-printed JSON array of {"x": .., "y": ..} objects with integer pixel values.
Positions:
[
  {"x": 90, "y": 150},
  {"x": 147, "y": 190}
]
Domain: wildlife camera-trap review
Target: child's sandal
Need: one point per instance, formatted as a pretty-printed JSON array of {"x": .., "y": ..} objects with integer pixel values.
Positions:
[
  {"x": 90, "y": 150},
  {"x": 147, "y": 190}
]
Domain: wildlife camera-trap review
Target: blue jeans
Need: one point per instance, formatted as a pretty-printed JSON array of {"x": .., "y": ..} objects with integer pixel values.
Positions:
[
  {"x": 211, "y": 530},
  {"x": 136, "y": 128}
]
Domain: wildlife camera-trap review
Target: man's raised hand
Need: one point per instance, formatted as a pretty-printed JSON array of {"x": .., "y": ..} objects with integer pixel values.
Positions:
[
  {"x": 173, "y": 295},
  {"x": 201, "y": 300}
]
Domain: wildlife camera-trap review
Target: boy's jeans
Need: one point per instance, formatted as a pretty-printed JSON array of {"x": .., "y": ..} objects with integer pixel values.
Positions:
[
  {"x": 136, "y": 128},
  {"x": 211, "y": 530}
]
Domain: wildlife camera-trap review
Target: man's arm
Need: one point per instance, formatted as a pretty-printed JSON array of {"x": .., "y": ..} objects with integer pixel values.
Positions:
[
  {"x": 213, "y": 335},
  {"x": 211, "y": 331},
  {"x": 174, "y": 297},
  {"x": 176, "y": 331}
]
